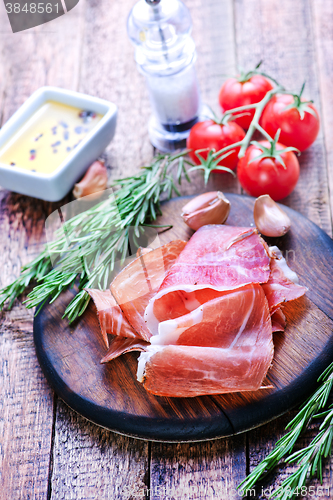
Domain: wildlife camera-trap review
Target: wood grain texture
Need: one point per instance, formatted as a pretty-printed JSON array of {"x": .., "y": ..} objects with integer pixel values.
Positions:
[
  {"x": 289, "y": 36},
  {"x": 91, "y": 463},
  {"x": 109, "y": 394},
  {"x": 208, "y": 470},
  {"x": 25, "y": 413},
  {"x": 29, "y": 60},
  {"x": 322, "y": 19},
  {"x": 282, "y": 34}
]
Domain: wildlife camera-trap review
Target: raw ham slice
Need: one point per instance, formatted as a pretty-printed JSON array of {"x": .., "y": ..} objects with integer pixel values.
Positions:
[
  {"x": 222, "y": 257},
  {"x": 188, "y": 371},
  {"x": 282, "y": 285},
  {"x": 225, "y": 345},
  {"x": 217, "y": 258},
  {"x": 110, "y": 316},
  {"x": 138, "y": 282},
  {"x": 201, "y": 313},
  {"x": 240, "y": 317},
  {"x": 121, "y": 345},
  {"x": 278, "y": 321}
]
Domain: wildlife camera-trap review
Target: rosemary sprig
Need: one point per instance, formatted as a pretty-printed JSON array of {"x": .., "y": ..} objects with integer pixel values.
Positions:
[
  {"x": 95, "y": 239},
  {"x": 309, "y": 458}
]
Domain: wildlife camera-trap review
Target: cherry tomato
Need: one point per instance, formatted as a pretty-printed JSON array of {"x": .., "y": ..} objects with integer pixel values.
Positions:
[
  {"x": 211, "y": 135},
  {"x": 235, "y": 93},
  {"x": 299, "y": 124},
  {"x": 267, "y": 175}
]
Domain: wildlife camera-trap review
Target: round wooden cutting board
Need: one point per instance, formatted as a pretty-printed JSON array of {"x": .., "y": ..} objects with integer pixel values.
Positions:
[{"x": 110, "y": 395}]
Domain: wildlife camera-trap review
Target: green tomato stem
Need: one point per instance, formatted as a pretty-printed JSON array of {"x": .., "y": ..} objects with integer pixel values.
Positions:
[{"x": 255, "y": 122}]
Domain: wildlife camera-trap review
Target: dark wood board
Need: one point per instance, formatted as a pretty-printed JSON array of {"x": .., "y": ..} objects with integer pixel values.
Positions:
[{"x": 110, "y": 396}]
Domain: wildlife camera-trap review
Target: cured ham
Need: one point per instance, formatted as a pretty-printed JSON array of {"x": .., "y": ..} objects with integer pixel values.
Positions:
[
  {"x": 188, "y": 371},
  {"x": 282, "y": 285},
  {"x": 225, "y": 345},
  {"x": 202, "y": 313},
  {"x": 133, "y": 287},
  {"x": 138, "y": 282},
  {"x": 216, "y": 259},
  {"x": 120, "y": 345},
  {"x": 236, "y": 318},
  {"x": 223, "y": 257},
  {"x": 278, "y": 321},
  {"x": 110, "y": 316}
]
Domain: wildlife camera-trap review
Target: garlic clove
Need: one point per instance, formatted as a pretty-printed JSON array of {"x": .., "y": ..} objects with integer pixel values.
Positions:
[
  {"x": 94, "y": 181},
  {"x": 269, "y": 218},
  {"x": 207, "y": 208}
]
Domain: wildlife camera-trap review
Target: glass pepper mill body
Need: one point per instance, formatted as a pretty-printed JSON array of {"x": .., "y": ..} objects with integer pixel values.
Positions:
[{"x": 165, "y": 54}]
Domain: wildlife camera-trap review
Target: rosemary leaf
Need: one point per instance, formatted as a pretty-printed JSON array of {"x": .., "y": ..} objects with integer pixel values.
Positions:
[
  {"x": 97, "y": 238},
  {"x": 309, "y": 459}
]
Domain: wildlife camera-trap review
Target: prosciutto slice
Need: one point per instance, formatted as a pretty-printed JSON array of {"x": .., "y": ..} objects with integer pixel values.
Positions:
[
  {"x": 216, "y": 259},
  {"x": 223, "y": 257},
  {"x": 121, "y": 345},
  {"x": 225, "y": 345},
  {"x": 138, "y": 282},
  {"x": 188, "y": 371},
  {"x": 133, "y": 287},
  {"x": 201, "y": 313},
  {"x": 278, "y": 321},
  {"x": 110, "y": 316},
  {"x": 282, "y": 285},
  {"x": 236, "y": 318}
]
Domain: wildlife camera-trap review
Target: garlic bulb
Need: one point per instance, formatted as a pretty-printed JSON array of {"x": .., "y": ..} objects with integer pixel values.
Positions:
[
  {"x": 94, "y": 181},
  {"x": 269, "y": 218},
  {"x": 207, "y": 208}
]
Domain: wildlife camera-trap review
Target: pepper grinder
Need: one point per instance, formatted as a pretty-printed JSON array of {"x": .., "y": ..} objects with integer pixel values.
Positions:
[{"x": 165, "y": 54}]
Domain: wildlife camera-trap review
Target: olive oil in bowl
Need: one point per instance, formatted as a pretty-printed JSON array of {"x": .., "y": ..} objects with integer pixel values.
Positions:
[{"x": 47, "y": 138}]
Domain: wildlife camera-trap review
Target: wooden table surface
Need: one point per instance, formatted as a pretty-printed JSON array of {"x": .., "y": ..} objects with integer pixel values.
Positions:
[{"x": 46, "y": 450}]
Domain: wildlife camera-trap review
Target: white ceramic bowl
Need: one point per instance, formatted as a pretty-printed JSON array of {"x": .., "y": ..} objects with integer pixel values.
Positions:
[{"x": 54, "y": 186}]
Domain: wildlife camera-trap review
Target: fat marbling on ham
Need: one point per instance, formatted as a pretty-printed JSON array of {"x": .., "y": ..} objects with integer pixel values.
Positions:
[
  {"x": 213, "y": 312},
  {"x": 225, "y": 345},
  {"x": 216, "y": 259},
  {"x": 200, "y": 312}
]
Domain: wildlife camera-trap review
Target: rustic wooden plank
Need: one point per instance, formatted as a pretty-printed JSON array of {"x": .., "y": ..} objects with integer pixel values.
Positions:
[
  {"x": 213, "y": 33},
  {"x": 280, "y": 33},
  {"x": 211, "y": 469},
  {"x": 86, "y": 459},
  {"x": 30, "y": 59},
  {"x": 45, "y": 55},
  {"x": 108, "y": 70},
  {"x": 91, "y": 462},
  {"x": 25, "y": 412},
  {"x": 322, "y": 22}
]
